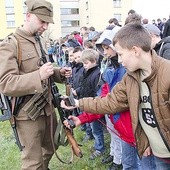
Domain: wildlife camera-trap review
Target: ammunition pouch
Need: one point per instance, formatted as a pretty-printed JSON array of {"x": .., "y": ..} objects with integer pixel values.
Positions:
[{"x": 36, "y": 104}]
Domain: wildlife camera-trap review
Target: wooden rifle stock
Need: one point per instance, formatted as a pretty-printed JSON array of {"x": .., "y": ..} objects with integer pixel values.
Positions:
[{"x": 75, "y": 147}]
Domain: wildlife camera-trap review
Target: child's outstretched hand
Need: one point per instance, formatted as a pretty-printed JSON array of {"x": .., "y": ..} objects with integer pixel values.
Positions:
[
  {"x": 63, "y": 105},
  {"x": 75, "y": 120}
]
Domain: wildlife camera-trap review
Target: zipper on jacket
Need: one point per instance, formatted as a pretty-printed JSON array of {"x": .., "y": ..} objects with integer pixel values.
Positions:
[
  {"x": 157, "y": 125},
  {"x": 138, "y": 125}
]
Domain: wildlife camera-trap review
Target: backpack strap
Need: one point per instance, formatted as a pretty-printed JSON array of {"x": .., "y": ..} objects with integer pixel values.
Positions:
[{"x": 17, "y": 43}]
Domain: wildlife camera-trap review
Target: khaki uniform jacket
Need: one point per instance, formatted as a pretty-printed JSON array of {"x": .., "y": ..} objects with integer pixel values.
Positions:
[
  {"x": 126, "y": 94},
  {"x": 23, "y": 81}
]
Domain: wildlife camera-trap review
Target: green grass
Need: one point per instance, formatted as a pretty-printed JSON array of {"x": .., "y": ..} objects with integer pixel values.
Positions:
[{"x": 10, "y": 154}]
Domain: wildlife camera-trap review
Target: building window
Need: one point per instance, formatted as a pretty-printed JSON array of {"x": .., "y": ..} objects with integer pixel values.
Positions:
[
  {"x": 10, "y": 15},
  {"x": 24, "y": 9},
  {"x": 69, "y": 11},
  {"x": 69, "y": 23},
  {"x": 118, "y": 17},
  {"x": 87, "y": 19},
  {"x": 117, "y": 3},
  {"x": 87, "y": 5}
]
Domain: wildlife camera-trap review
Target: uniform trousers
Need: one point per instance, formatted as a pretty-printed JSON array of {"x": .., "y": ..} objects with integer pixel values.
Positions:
[{"x": 36, "y": 139}]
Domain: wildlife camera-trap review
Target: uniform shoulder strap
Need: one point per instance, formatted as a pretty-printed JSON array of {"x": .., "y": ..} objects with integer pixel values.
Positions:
[{"x": 17, "y": 42}]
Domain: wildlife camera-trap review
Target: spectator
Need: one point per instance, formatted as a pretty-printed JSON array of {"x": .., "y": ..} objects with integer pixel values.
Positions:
[
  {"x": 145, "y": 21},
  {"x": 134, "y": 18},
  {"x": 89, "y": 88},
  {"x": 166, "y": 31},
  {"x": 114, "y": 21},
  {"x": 144, "y": 90},
  {"x": 78, "y": 37},
  {"x": 132, "y": 11},
  {"x": 161, "y": 46},
  {"x": 154, "y": 22}
]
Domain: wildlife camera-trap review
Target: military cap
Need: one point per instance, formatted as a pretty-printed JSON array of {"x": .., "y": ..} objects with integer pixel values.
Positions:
[{"x": 41, "y": 8}]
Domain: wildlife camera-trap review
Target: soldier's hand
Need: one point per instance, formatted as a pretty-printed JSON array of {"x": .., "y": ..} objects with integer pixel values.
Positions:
[
  {"x": 66, "y": 71},
  {"x": 46, "y": 70}
]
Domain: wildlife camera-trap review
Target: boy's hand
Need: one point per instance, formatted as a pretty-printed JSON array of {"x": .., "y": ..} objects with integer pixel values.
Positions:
[
  {"x": 147, "y": 152},
  {"x": 63, "y": 105},
  {"x": 75, "y": 120}
]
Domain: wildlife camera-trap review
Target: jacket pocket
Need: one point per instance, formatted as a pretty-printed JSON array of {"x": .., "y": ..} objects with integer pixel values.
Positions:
[{"x": 29, "y": 62}]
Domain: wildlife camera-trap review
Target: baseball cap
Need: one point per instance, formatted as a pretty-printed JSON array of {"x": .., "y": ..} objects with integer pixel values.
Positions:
[
  {"x": 41, "y": 8},
  {"x": 92, "y": 35},
  {"x": 152, "y": 29}
]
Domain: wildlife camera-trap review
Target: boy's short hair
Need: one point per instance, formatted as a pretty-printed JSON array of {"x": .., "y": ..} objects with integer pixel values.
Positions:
[
  {"x": 70, "y": 49},
  {"x": 131, "y": 11},
  {"x": 76, "y": 49},
  {"x": 133, "y": 35},
  {"x": 134, "y": 18},
  {"x": 89, "y": 54},
  {"x": 88, "y": 44}
]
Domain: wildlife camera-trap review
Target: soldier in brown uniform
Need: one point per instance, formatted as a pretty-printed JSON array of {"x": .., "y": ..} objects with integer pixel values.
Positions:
[{"x": 30, "y": 79}]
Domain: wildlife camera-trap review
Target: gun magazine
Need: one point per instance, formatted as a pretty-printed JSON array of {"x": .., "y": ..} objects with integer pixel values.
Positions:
[{"x": 36, "y": 104}]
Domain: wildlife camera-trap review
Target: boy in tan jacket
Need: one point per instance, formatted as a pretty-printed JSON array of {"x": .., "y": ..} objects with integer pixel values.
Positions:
[{"x": 144, "y": 90}]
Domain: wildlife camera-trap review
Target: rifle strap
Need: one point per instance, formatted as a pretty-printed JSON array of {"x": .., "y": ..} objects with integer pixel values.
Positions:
[
  {"x": 60, "y": 135},
  {"x": 13, "y": 123}
]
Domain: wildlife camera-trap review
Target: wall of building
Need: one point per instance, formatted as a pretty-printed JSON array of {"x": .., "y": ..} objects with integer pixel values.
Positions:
[
  {"x": 4, "y": 31},
  {"x": 98, "y": 14},
  {"x": 54, "y": 30}
]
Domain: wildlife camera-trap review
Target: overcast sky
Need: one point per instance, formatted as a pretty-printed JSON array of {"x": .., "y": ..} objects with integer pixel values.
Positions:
[{"x": 152, "y": 9}]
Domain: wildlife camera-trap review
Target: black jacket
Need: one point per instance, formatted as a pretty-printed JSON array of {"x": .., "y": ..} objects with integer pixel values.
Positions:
[
  {"x": 77, "y": 76},
  {"x": 162, "y": 48},
  {"x": 89, "y": 86},
  {"x": 166, "y": 31}
]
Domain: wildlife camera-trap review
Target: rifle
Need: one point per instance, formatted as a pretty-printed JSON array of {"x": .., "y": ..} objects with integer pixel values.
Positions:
[
  {"x": 57, "y": 97},
  {"x": 7, "y": 114}
]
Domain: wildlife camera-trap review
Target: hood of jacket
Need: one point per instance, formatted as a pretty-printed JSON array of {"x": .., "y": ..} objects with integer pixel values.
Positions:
[{"x": 106, "y": 37}]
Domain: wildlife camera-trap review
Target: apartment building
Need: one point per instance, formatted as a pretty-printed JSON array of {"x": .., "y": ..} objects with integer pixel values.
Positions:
[
  {"x": 98, "y": 12},
  {"x": 69, "y": 15},
  {"x": 13, "y": 15}
]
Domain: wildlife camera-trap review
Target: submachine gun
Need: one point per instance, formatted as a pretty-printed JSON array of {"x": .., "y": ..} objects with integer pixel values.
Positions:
[
  {"x": 7, "y": 113},
  {"x": 57, "y": 97}
]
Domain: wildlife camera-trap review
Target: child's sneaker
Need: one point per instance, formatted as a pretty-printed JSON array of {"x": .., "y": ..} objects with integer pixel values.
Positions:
[{"x": 96, "y": 154}]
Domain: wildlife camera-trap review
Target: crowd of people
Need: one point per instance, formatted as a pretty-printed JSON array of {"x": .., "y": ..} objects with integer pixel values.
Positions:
[
  {"x": 119, "y": 78},
  {"x": 124, "y": 151}
]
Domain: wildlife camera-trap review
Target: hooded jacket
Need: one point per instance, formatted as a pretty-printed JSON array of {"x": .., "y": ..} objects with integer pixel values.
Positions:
[
  {"x": 106, "y": 37},
  {"x": 126, "y": 94}
]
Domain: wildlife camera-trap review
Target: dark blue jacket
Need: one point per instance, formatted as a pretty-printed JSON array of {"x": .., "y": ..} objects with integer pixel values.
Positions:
[
  {"x": 89, "y": 86},
  {"x": 77, "y": 77}
]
